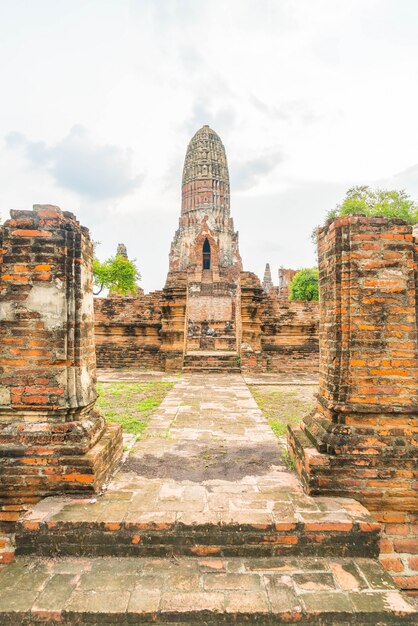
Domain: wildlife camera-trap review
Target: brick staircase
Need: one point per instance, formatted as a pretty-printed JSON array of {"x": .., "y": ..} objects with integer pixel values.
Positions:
[
  {"x": 208, "y": 591},
  {"x": 311, "y": 569},
  {"x": 211, "y": 361},
  {"x": 53, "y": 529}
]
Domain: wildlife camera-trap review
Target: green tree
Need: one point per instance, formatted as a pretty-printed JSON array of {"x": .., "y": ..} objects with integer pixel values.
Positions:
[
  {"x": 304, "y": 285},
  {"x": 362, "y": 200},
  {"x": 118, "y": 274}
]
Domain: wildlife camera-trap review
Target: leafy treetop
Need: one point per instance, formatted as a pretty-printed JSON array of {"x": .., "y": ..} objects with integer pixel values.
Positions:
[
  {"x": 118, "y": 274},
  {"x": 362, "y": 200},
  {"x": 304, "y": 285}
]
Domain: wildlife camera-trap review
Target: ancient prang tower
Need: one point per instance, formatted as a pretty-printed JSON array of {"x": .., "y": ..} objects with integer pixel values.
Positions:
[
  {"x": 205, "y": 240},
  {"x": 211, "y": 315},
  {"x": 204, "y": 255}
]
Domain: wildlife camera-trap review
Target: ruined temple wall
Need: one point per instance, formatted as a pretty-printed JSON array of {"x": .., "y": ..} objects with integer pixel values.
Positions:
[
  {"x": 289, "y": 335},
  {"x": 127, "y": 331},
  {"x": 277, "y": 335},
  {"x": 174, "y": 321}
]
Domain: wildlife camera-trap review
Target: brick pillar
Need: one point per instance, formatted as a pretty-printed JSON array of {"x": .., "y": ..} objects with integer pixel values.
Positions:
[
  {"x": 252, "y": 302},
  {"x": 51, "y": 438},
  {"x": 362, "y": 439},
  {"x": 173, "y": 321}
]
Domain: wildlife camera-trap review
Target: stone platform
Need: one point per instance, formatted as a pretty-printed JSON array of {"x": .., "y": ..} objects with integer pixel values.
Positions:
[
  {"x": 211, "y": 361},
  {"x": 220, "y": 527},
  {"x": 206, "y": 591},
  {"x": 164, "y": 521}
]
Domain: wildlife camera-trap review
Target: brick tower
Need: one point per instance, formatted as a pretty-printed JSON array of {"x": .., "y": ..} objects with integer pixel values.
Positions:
[
  {"x": 267, "y": 280},
  {"x": 206, "y": 238},
  {"x": 204, "y": 262}
]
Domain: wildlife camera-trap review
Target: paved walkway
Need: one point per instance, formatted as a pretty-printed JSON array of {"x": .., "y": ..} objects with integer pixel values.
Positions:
[
  {"x": 138, "y": 591},
  {"x": 207, "y": 457},
  {"x": 261, "y": 378},
  {"x": 223, "y": 529}
]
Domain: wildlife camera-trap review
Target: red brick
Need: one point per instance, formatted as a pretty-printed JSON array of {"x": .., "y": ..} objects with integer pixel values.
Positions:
[
  {"x": 406, "y": 545},
  {"x": 31, "y": 233},
  {"x": 392, "y": 564},
  {"x": 413, "y": 563}
]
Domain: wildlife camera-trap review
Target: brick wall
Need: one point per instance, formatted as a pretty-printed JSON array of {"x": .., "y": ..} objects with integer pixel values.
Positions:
[
  {"x": 51, "y": 438},
  {"x": 289, "y": 335},
  {"x": 277, "y": 335},
  {"x": 210, "y": 307},
  {"x": 127, "y": 331},
  {"x": 362, "y": 439}
]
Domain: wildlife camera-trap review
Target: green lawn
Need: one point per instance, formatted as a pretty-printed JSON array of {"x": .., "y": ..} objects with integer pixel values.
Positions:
[{"x": 131, "y": 404}]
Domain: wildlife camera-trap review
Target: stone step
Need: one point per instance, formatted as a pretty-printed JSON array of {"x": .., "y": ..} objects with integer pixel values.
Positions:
[
  {"x": 211, "y": 591},
  {"x": 108, "y": 528},
  {"x": 215, "y": 361},
  {"x": 210, "y": 370},
  {"x": 211, "y": 355}
]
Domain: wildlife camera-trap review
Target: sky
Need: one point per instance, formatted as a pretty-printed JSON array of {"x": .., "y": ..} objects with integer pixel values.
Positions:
[{"x": 310, "y": 97}]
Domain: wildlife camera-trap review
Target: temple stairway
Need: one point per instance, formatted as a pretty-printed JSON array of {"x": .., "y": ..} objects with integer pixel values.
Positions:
[
  {"x": 213, "y": 361},
  {"x": 203, "y": 523}
]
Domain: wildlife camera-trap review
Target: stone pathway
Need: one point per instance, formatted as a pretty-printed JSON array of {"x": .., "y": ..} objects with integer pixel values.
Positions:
[
  {"x": 213, "y": 528},
  {"x": 105, "y": 375},
  {"x": 204, "y": 591},
  {"x": 208, "y": 456}
]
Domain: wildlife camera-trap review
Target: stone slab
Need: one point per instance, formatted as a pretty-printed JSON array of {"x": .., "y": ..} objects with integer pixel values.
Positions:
[{"x": 215, "y": 591}]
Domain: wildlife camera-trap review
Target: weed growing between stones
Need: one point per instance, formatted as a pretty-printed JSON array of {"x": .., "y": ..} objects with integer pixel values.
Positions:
[
  {"x": 131, "y": 404},
  {"x": 289, "y": 462},
  {"x": 279, "y": 428}
]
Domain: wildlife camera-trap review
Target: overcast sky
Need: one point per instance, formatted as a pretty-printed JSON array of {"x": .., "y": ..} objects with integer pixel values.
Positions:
[{"x": 99, "y": 99}]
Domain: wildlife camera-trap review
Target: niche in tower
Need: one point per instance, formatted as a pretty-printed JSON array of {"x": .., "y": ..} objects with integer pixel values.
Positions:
[{"x": 206, "y": 255}]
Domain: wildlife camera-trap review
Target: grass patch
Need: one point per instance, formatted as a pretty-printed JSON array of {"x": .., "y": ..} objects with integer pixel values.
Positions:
[
  {"x": 278, "y": 427},
  {"x": 131, "y": 404},
  {"x": 284, "y": 404}
]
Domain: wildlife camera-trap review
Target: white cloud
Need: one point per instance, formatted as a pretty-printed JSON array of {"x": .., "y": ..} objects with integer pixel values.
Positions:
[
  {"x": 246, "y": 174},
  {"x": 308, "y": 97},
  {"x": 98, "y": 172}
]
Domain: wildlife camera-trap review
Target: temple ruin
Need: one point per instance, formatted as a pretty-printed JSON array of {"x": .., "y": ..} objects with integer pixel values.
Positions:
[
  {"x": 205, "y": 519},
  {"x": 210, "y": 315},
  {"x": 52, "y": 440}
]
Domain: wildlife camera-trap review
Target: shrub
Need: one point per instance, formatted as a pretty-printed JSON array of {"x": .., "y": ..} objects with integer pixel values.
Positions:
[
  {"x": 304, "y": 285},
  {"x": 362, "y": 200}
]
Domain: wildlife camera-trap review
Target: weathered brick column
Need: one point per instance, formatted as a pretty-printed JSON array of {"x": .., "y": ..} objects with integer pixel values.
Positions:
[
  {"x": 362, "y": 438},
  {"x": 51, "y": 438},
  {"x": 252, "y": 300},
  {"x": 173, "y": 321}
]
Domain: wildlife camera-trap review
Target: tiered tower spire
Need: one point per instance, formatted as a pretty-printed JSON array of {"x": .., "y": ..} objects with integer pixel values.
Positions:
[
  {"x": 205, "y": 184},
  {"x": 205, "y": 238},
  {"x": 267, "y": 280}
]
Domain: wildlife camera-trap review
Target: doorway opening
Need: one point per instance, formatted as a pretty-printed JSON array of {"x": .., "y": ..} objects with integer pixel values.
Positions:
[{"x": 206, "y": 255}]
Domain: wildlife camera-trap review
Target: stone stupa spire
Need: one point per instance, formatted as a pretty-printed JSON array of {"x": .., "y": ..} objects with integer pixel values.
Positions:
[
  {"x": 121, "y": 250},
  {"x": 205, "y": 182},
  {"x": 206, "y": 239},
  {"x": 267, "y": 280}
]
